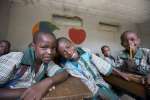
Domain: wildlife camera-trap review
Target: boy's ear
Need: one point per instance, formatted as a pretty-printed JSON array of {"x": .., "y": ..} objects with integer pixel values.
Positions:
[{"x": 33, "y": 45}]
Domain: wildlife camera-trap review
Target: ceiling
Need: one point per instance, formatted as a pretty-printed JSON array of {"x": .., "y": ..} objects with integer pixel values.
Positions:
[{"x": 137, "y": 11}]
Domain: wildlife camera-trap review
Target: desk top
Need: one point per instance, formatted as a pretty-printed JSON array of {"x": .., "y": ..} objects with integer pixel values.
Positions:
[
  {"x": 71, "y": 89},
  {"x": 128, "y": 86}
]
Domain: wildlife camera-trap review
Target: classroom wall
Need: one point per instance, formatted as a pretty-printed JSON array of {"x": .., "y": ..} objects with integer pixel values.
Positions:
[
  {"x": 145, "y": 33},
  {"x": 22, "y": 18},
  {"x": 4, "y": 16}
]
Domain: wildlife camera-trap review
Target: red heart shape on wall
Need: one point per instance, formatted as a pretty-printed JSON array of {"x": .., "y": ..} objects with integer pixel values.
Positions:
[{"x": 77, "y": 35}]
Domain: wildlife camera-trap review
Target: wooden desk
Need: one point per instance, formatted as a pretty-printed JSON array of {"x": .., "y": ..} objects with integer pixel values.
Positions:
[
  {"x": 128, "y": 86},
  {"x": 71, "y": 89}
]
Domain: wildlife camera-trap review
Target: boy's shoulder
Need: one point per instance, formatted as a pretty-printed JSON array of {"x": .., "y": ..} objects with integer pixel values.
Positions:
[
  {"x": 123, "y": 54},
  {"x": 53, "y": 69},
  {"x": 7, "y": 64},
  {"x": 12, "y": 57},
  {"x": 145, "y": 50},
  {"x": 82, "y": 50},
  {"x": 53, "y": 64},
  {"x": 86, "y": 49}
]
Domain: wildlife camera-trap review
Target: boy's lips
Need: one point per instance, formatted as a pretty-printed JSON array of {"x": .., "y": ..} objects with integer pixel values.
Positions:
[{"x": 47, "y": 58}]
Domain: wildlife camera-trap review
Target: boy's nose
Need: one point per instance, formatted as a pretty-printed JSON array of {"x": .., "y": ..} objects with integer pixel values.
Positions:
[
  {"x": 70, "y": 52},
  {"x": 130, "y": 43},
  {"x": 49, "y": 51}
]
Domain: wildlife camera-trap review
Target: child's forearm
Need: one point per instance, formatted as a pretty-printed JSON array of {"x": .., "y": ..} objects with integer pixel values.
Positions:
[
  {"x": 59, "y": 77},
  {"x": 43, "y": 86},
  {"x": 119, "y": 73},
  {"x": 116, "y": 72}
]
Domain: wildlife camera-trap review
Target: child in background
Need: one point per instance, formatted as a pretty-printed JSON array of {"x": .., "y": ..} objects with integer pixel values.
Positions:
[
  {"x": 4, "y": 47},
  {"x": 107, "y": 55},
  {"x": 134, "y": 59}
]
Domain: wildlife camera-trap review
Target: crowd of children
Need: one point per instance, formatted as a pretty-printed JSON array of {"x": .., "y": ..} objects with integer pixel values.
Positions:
[{"x": 34, "y": 70}]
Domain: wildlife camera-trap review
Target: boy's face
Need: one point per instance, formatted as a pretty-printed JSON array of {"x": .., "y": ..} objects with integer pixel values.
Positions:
[
  {"x": 45, "y": 48},
  {"x": 106, "y": 52},
  {"x": 3, "y": 48},
  {"x": 67, "y": 50},
  {"x": 130, "y": 40}
]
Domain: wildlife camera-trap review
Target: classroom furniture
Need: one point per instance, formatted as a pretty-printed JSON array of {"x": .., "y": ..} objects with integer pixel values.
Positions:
[
  {"x": 130, "y": 87},
  {"x": 71, "y": 89}
]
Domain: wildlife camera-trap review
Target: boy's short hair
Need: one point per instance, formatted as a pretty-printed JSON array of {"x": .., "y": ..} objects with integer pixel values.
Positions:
[
  {"x": 41, "y": 28},
  {"x": 39, "y": 34},
  {"x": 126, "y": 32},
  {"x": 62, "y": 39},
  {"x": 104, "y": 46}
]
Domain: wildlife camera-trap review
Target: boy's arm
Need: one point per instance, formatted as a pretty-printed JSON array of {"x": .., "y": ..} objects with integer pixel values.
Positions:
[
  {"x": 37, "y": 91},
  {"x": 10, "y": 94},
  {"x": 120, "y": 74},
  {"x": 129, "y": 76}
]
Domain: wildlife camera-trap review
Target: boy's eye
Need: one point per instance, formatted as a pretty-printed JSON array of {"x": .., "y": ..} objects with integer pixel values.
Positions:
[
  {"x": 44, "y": 47},
  {"x": 132, "y": 39}
]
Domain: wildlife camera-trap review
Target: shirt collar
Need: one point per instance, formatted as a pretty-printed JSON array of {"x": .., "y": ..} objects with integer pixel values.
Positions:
[{"x": 138, "y": 54}]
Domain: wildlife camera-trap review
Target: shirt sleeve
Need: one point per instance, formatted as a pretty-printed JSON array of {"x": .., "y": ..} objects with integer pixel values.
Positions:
[
  {"x": 144, "y": 66},
  {"x": 103, "y": 67},
  {"x": 72, "y": 70},
  {"x": 7, "y": 63},
  {"x": 119, "y": 62},
  {"x": 53, "y": 69},
  {"x": 149, "y": 57}
]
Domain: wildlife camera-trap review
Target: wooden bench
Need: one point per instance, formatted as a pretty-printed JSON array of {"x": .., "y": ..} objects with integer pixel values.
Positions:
[{"x": 71, "y": 89}]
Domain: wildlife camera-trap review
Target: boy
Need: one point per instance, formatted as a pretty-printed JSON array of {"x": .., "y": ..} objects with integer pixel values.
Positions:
[
  {"x": 31, "y": 72},
  {"x": 78, "y": 64},
  {"x": 134, "y": 59},
  {"x": 107, "y": 55},
  {"x": 4, "y": 47}
]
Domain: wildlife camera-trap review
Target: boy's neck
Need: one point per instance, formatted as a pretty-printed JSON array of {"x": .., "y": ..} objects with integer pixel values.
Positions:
[{"x": 37, "y": 65}]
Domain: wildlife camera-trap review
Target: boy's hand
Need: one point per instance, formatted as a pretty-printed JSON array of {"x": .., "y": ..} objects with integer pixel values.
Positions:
[
  {"x": 135, "y": 78},
  {"x": 125, "y": 76},
  {"x": 120, "y": 74},
  {"x": 130, "y": 65},
  {"x": 132, "y": 77}
]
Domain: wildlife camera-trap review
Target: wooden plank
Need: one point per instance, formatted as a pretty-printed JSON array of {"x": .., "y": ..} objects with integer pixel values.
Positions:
[
  {"x": 71, "y": 89},
  {"x": 128, "y": 86}
]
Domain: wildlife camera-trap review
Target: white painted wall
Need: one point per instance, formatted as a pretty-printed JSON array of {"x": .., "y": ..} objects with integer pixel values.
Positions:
[
  {"x": 4, "y": 16},
  {"x": 23, "y": 17},
  {"x": 145, "y": 34}
]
